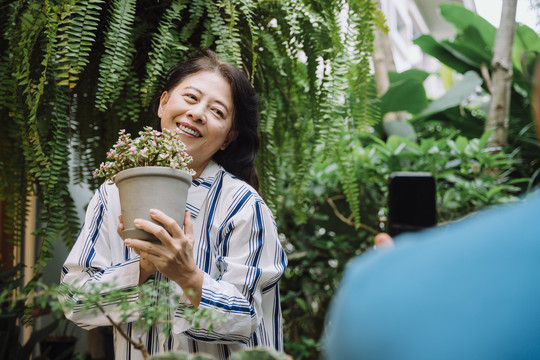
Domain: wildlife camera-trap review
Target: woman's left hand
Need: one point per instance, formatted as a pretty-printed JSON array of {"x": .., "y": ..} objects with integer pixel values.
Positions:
[{"x": 173, "y": 256}]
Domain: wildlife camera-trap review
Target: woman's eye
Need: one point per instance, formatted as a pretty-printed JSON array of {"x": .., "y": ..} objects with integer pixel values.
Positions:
[
  {"x": 191, "y": 97},
  {"x": 219, "y": 113}
]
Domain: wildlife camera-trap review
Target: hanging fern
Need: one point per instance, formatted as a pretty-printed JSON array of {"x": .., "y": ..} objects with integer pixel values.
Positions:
[
  {"x": 57, "y": 221},
  {"x": 73, "y": 72},
  {"x": 79, "y": 34},
  {"x": 117, "y": 52},
  {"x": 227, "y": 40},
  {"x": 247, "y": 13},
  {"x": 162, "y": 46},
  {"x": 267, "y": 158}
]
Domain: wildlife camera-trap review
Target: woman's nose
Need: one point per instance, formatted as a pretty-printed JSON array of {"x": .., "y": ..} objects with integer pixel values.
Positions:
[{"x": 197, "y": 113}]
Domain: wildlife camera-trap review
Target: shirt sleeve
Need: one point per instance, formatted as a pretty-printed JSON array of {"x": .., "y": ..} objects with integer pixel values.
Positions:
[
  {"x": 100, "y": 258},
  {"x": 251, "y": 261}
]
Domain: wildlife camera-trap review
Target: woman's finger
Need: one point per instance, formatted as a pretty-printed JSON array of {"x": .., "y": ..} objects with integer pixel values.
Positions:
[
  {"x": 188, "y": 229},
  {"x": 143, "y": 246},
  {"x": 159, "y": 231},
  {"x": 174, "y": 229},
  {"x": 120, "y": 226}
]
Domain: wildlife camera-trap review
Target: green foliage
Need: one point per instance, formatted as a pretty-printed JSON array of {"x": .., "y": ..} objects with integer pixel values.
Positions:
[
  {"x": 467, "y": 53},
  {"x": 118, "y": 50},
  {"x": 445, "y": 137},
  {"x": 164, "y": 45},
  {"x": 72, "y": 73}
]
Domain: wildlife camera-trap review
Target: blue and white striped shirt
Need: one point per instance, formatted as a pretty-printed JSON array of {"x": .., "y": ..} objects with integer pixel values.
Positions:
[{"x": 237, "y": 247}]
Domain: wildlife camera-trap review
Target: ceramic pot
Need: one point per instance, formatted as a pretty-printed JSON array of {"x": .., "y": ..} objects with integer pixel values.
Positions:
[{"x": 151, "y": 187}]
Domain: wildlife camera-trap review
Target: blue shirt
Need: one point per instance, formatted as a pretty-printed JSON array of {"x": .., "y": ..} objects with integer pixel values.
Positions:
[
  {"x": 470, "y": 290},
  {"x": 237, "y": 247}
]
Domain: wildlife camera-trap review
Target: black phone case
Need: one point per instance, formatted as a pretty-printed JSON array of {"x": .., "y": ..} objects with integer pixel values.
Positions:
[{"x": 412, "y": 202}]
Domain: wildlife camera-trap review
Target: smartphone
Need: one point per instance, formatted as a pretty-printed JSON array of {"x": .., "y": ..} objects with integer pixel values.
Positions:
[{"x": 412, "y": 202}]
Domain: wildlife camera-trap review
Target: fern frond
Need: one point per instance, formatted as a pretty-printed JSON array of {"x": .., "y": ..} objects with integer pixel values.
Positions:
[
  {"x": 247, "y": 9},
  {"x": 379, "y": 20},
  {"x": 228, "y": 37},
  {"x": 118, "y": 52},
  {"x": 196, "y": 11},
  {"x": 364, "y": 104},
  {"x": 33, "y": 21},
  {"x": 78, "y": 34},
  {"x": 267, "y": 158},
  {"x": 161, "y": 49},
  {"x": 126, "y": 109},
  {"x": 346, "y": 168}
]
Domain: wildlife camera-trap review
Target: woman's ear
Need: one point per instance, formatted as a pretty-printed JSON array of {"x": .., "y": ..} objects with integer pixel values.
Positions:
[
  {"x": 162, "y": 102},
  {"x": 231, "y": 136}
]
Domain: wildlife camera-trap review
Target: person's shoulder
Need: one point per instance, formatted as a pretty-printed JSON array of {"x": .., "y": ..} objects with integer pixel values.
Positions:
[
  {"x": 236, "y": 185},
  {"x": 106, "y": 191},
  {"x": 238, "y": 192}
]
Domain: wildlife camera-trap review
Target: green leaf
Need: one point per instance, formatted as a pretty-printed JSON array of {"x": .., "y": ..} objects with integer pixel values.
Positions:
[
  {"x": 432, "y": 47},
  {"x": 302, "y": 303},
  {"x": 461, "y": 144},
  {"x": 470, "y": 48},
  {"x": 525, "y": 40},
  {"x": 484, "y": 139},
  {"x": 415, "y": 74},
  {"x": 463, "y": 18},
  {"x": 404, "y": 95},
  {"x": 454, "y": 96},
  {"x": 400, "y": 128}
]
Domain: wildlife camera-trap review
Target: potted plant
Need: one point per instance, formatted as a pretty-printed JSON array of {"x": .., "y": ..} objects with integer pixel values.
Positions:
[{"x": 148, "y": 170}]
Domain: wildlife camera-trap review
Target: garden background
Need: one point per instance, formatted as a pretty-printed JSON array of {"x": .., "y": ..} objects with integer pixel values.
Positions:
[{"x": 336, "y": 120}]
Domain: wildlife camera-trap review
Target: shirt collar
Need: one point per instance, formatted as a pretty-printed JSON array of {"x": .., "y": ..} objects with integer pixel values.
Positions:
[{"x": 200, "y": 187}]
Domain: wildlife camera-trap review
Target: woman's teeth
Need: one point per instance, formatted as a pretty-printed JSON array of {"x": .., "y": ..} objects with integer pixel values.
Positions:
[{"x": 188, "y": 130}]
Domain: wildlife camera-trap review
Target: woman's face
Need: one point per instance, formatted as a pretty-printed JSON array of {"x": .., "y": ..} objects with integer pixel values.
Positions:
[{"x": 201, "y": 107}]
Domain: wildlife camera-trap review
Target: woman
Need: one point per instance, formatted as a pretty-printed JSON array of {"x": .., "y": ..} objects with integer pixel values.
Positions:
[{"x": 228, "y": 255}]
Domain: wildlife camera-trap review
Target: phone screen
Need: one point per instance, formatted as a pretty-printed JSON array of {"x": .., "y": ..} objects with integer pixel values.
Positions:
[{"x": 412, "y": 202}]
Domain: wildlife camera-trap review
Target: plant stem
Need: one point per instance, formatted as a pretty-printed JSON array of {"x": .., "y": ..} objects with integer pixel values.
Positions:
[
  {"x": 348, "y": 220},
  {"x": 137, "y": 345}
]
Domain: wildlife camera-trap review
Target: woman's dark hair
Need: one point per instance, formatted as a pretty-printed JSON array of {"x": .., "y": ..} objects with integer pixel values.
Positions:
[{"x": 238, "y": 158}]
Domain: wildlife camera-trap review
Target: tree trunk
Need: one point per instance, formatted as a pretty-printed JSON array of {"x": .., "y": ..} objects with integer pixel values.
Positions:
[
  {"x": 499, "y": 106},
  {"x": 383, "y": 62}
]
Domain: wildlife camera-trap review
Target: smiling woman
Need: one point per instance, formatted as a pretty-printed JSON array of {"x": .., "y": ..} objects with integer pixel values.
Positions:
[
  {"x": 226, "y": 257},
  {"x": 239, "y": 155}
]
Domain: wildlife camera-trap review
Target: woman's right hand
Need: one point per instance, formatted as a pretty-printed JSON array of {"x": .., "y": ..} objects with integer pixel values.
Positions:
[{"x": 145, "y": 266}]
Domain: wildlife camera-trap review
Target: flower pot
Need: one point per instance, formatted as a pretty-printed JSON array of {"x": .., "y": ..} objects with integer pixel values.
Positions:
[{"x": 151, "y": 187}]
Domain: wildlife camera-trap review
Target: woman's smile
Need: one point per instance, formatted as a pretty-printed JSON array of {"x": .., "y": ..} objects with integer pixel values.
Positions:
[{"x": 188, "y": 130}]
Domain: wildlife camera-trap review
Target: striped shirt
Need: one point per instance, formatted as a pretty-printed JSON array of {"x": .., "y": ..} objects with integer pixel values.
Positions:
[{"x": 237, "y": 247}]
